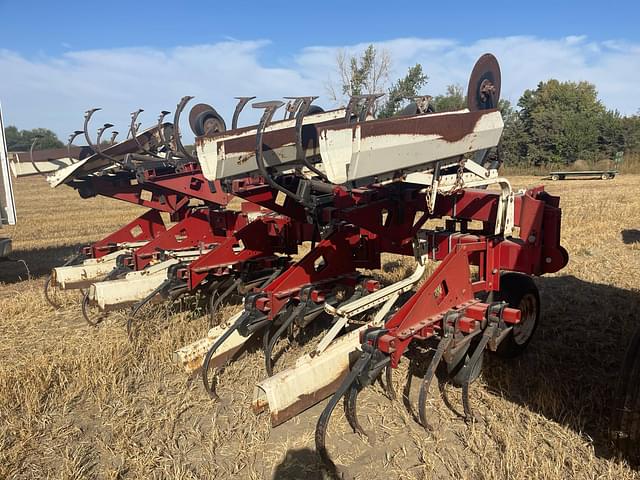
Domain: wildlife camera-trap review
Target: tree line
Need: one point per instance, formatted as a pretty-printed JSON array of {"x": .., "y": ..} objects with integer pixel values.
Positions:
[{"x": 557, "y": 123}]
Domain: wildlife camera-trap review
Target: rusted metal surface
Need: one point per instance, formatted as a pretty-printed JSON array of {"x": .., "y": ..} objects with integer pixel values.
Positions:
[
  {"x": 389, "y": 148},
  {"x": 483, "y": 91}
]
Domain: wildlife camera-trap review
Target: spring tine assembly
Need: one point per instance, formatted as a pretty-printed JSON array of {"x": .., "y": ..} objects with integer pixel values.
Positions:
[
  {"x": 242, "y": 102},
  {"x": 364, "y": 372},
  {"x": 101, "y": 132},
  {"x": 301, "y": 105},
  {"x": 134, "y": 127},
  {"x": 443, "y": 344},
  {"x": 36, "y": 139},
  {"x": 72, "y": 137},
  {"x": 361, "y": 106},
  {"x": 210, "y": 387},
  {"x": 163, "y": 140},
  {"x": 295, "y": 313},
  {"x": 176, "y": 129},
  {"x": 269, "y": 110},
  {"x": 96, "y": 147},
  {"x": 292, "y": 106}
]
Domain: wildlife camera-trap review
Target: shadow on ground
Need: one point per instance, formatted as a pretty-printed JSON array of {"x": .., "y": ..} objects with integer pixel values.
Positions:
[
  {"x": 39, "y": 261},
  {"x": 568, "y": 373},
  {"x": 630, "y": 236},
  {"x": 297, "y": 464},
  {"x": 570, "y": 370}
]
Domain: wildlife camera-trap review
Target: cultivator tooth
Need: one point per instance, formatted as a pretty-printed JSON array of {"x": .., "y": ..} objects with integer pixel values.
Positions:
[
  {"x": 317, "y": 375},
  {"x": 176, "y": 129},
  {"x": 242, "y": 102},
  {"x": 134, "y": 127},
  {"x": 72, "y": 137}
]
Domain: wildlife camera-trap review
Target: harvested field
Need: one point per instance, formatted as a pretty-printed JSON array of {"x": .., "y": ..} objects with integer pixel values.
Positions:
[{"x": 81, "y": 402}]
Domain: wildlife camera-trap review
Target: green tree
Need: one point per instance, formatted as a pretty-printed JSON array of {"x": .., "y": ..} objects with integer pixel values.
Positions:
[
  {"x": 561, "y": 122},
  {"x": 21, "y": 140},
  {"x": 404, "y": 88},
  {"x": 360, "y": 74},
  {"x": 453, "y": 99}
]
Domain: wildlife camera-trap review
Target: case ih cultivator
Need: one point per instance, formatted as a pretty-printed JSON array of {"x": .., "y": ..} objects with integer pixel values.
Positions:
[{"x": 355, "y": 188}]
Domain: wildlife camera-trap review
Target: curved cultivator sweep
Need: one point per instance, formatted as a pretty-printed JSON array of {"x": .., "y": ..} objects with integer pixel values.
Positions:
[{"x": 354, "y": 188}]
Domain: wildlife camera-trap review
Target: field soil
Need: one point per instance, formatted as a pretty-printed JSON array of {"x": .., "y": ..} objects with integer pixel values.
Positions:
[{"x": 81, "y": 402}]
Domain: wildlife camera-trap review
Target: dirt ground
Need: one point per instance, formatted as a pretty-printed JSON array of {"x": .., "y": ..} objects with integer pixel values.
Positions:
[{"x": 82, "y": 402}]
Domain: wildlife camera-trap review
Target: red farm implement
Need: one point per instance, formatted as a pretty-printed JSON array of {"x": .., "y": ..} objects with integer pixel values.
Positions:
[{"x": 423, "y": 184}]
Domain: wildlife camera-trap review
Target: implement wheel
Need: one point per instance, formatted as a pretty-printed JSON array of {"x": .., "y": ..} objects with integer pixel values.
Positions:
[
  {"x": 625, "y": 418},
  {"x": 555, "y": 178},
  {"x": 520, "y": 292}
]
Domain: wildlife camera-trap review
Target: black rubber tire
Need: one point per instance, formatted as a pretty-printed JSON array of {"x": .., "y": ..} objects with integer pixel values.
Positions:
[
  {"x": 519, "y": 291},
  {"x": 206, "y": 116},
  {"x": 314, "y": 110}
]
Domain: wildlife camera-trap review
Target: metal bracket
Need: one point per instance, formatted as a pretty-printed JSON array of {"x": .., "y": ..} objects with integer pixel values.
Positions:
[{"x": 361, "y": 104}]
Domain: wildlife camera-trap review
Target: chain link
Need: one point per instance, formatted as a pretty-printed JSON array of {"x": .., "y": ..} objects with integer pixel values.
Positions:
[{"x": 459, "y": 183}]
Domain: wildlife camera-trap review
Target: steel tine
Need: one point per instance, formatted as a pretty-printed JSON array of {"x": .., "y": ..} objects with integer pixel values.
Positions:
[
  {"x": 292, "y": 106},
  {"x": 72, "y": 137},
  {"x": 101, "y": 131},
  {"x": 210, "y": 386},
  {"x": 159, "y": 122},
  {"x": 302, "y": 109},
  {"x": 242, "y": 102},
  {"x": 136, "y": 308},
  {"x": 388, "y": 384},
  {"x": 96, "y": 147},
  {"x": 215, "y": 306},
  {"x": 443, "y": 344},
  {"x": 269, "y": 110},
  {"x": 36, "y": 139},
  {"x": 114, "y": 134},
  {"x": 472, "y": 364},
  {"x": 176, "y": 128},
  {"x": 350, "y": 411},
  {"x": 87, "y": 118},
  {"x": 134, "y": 127},
  {"x": 323, "y": 421},
  {"x": 276, "y": 336},
  {"x": 369, "y": 101}
]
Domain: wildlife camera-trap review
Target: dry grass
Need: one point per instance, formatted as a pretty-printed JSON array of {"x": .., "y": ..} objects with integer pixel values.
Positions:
[
  {"x": 77, "y": 402},
  {"x": 630, "y": 164}
]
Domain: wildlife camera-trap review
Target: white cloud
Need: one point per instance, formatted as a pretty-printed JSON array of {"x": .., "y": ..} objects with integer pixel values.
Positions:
[{"x": 55, "y": 91}]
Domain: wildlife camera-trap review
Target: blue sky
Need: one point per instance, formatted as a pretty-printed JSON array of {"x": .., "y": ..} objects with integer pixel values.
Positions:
[{"x": 59, "y": 58}]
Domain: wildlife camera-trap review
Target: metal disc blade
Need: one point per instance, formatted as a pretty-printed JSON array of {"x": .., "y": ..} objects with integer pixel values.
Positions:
[{"x": 484, "y": 84}]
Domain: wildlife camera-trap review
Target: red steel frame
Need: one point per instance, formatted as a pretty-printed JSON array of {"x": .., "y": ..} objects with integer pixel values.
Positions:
[{"x": 388, "y": 221}]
